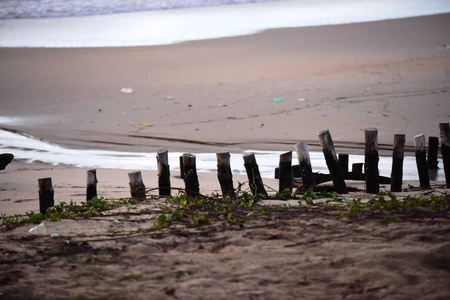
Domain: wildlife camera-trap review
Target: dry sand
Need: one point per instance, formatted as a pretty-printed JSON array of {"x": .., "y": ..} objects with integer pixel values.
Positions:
[{"x": 217, "y": 95}]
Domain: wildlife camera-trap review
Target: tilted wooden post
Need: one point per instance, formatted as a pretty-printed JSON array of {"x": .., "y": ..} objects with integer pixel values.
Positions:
[
  {"x": 137, "y": 187},
  {"x": 304, "y": 161},
  {"x": 285, "y": 174},
  {"x": 191, "y": 183},
  {"x": 46, "y": 194},
  {"x": 332, "y": 162},
  {"x": 162, "y": 157},
  {"x": 224, "y": 174},
  {"x": 421, "y": 160},
  {"x": 445, "y": 150},
  {"x": 433, "y": 145},
  {"x": 91, "y": 186},
  {"x": 371, "y": 161},
  {"x": 397, "y": 163},
  {"x": 253, "y": 175},
  {"x": 343, "y": 163}
]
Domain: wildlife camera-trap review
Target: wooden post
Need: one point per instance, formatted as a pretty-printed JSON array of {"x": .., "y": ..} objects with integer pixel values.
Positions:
[
  {"x": 91, "y": 186},
  {"x": 137, "y": 187},
  {"x": 46, "y": 194},
  {"x": 191, "y": 183},
  {"x": 162, "y": 157},
  {"x": 304, "y": 161},
  {"x": 397, "y": 163},
  {"x": 343, "y": 163},
  {"x": 445, "y": 150},
  {"x": 285, "y": 173},
  {"x": 224, "y": 174},
  {"x": 371, "y": 161},
  {"x": 421, "y": 160},
  {"x": 357, "y": 168},
  {"x": 253, "y": 175},
  {"x": 181, "y": 168},
  {"x": 433, "y": 145},
  {"x": 332, "y": 162}
]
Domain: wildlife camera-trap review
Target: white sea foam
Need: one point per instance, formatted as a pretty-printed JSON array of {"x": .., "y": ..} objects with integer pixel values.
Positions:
[{"x": 159, "y": 27}]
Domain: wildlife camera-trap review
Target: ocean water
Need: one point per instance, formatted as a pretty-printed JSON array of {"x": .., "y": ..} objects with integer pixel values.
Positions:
[{"x": 103, "y": 23}]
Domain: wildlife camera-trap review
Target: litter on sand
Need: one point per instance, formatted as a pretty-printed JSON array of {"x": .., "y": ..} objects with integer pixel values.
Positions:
[
  {"x": 277, "y": 99},
  {"x": 144, "y": 124},
  {"x": 37, "y": 230},
  {"x": 127, "y": 90}
]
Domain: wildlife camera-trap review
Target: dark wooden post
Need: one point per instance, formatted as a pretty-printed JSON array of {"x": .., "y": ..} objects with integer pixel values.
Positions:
[
  {"x": 162, "y": 157},
  {"x": 46, "y": 194},
  {"x": 137, "y": 187},
  {"x": 253, "y": 175},
  {"x": 371, "y": 161},
  {"x": 181, "y": 168},
  {"x": 357, "y": 168},
  {"x": 304, "y": 161},
  {"x": 445, "y": 150},
  {"x": 343, "y": 163},
  {"x": 285, "y": 174},
  {"x": 332, "y": 162},
  {"x": 224, "y": 174},
  {"x": 433, "y": 145},
  {"x": 397, "y": 163},
  {"x": 421, "y": 160},
  {"x": 191, "y": 183},
  {"x": 91, "y": 187}
]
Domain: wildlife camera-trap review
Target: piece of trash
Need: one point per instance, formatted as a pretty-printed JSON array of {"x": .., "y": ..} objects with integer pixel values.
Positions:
[
  {"x": 116, "y": 221},
  {"x": 369, "y": 111},
  {"x": 277, "y": 99},
  {"x": 341, "y": 98},
  {"x": 40, "y": 229},
  {"x": 55, "y": 235},
  {"x": 169, "y": 98},
  {"x": 127, "y": 90},
  {"x": 144, "y": 124},
  {"x": 301, "y": 99}
]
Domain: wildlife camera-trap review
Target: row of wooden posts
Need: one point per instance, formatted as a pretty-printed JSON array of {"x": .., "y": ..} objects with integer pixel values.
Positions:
[{"x": 338, "y": 169}]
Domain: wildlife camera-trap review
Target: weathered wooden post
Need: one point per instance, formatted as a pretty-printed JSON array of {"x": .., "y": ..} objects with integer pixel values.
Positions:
[
  {"x": 445, "y": 150},
  {"x": 191, "y": 183},
  {"x": 285, "y": 172},
  {"x": 343, "y": 163},
  {"x": 46, "y": 194},
  {"x": 162, "y": 157},
  {"x": 433, "y": 145},
  {"x": 91, "y": 186},
  {"x": 421, "y": 160},
  {"x": 137, "y": 187},
  {"x": 181, "y": 168},
  {"x": 371, "y": 161},
  {"x": 357, "y": 168},
  {"x": 224, "y": 174},
  {"x": 397, "y": 163},
  {"x": 332, "y": 162},
  {"x": 253, "y": 175},
  {"x": 304, "y": 161}
]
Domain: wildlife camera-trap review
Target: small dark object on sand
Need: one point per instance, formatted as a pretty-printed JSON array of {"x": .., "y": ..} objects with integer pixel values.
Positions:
[{"x": 5, "y": 159}]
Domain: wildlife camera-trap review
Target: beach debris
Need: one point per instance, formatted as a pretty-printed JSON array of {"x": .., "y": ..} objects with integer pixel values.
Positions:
[
  {"x": 38, "y": 230},
  {"x": 341, "y": 98},
  {"x": 277, "y": 99},
  {"x": 169, "y": 98},
  {"x": 127, "y": 90},
  {"x": 144, "y": 124},
  {"x": 301, "y": 99},
  {"x": 5, "y": 159},
  {"x": 55, "y": 235}
]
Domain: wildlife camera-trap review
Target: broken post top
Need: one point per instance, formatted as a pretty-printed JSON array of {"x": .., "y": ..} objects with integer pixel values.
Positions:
[
  {"x": 419, "y": 142},
  {"x": 327, "y": 143},
  {"x": 188, "y": 159},
  {"x": 302, "y": 152},
  {"x": 223, "y": 157},
  {"x": 286, "y": 157},
  {"x": 249, "y": 158}
]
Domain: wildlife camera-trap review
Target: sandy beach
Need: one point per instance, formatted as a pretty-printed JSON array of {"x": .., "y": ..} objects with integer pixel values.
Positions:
[{"x": 218, "y": 95}]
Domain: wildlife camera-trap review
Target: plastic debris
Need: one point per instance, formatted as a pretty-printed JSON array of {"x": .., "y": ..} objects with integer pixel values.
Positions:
[
  {"x": 301, "y": 99},
  {"x": 127, "y": 90},
  {"x": 145, "y": 124},
  {"x": 55, "y": 235},
  {"x": 38, "y": 230},
  {"x": 169, "y": 98},
  {"x": 277, "y": 99}
]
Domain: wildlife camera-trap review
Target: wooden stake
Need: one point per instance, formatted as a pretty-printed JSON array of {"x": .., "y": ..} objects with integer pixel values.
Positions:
[
  {"x": 304, "y": 161},
  {"x": 224, "y": 174},
  {"x": 343, "y": 163},
  {"x": 371, "y": 161},
  {"x": 162, "y": 157},
  {"x": 46, "y": 194},
  {"x": 397, "y": 163},
  {"x": 91, "y": 186},
  {"x": 433, "y": 145},
  {"x": 357, "y": 168},
  {"x": 253, "y": 175},
  {"x": 191, "y": 183},
  {"x": 332, "y": 162},
  {"x": 137, "y": 187},
  {"x": 181, "y": 168},
  {"x": 285, "y": 173},
  {"x": 421, "y": 160},
  {"x": 445, "y": 150}
]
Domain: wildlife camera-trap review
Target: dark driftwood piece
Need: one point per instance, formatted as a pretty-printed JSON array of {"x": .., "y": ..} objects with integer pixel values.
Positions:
[
  {"x": 421, "y": 160},
  {"x": 285, "y": 172},
  {"x": 162, "y": 157},
  {"x": 433, "y": 145},
  {"x": 190, "y": 177},
  {"x": 91, "y": 186},
  {"x": 137, "y": 187},
  {"x": 5, "y": 159},
  {"x": 304, "y": 162},
  {"x": 397, "y": 163},
  {"x": 253, "y": 175},
  {"x": 343, "y": 163},
  {"x": 46, "y": 194},
  {"x": 224, "y": 174},
  {"x": 445, "y": 150},
  {"x": 332, "y": 162},
  {"x": 371, "y": 161}
]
